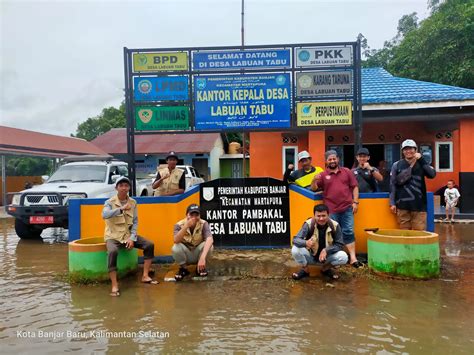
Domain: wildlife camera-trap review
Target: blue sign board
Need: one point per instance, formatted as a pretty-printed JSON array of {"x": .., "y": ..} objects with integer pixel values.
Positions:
[
  {"x": 162, "y": 88},
  {"x": 265, "y": 58},
  {"x": 250, "y": 101}
]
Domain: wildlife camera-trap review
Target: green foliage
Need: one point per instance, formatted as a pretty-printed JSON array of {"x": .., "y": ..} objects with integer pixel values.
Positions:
[
  {"x": 440, "y": 49},
  {"x": 110, "y": 117},
  {"x": 28, "y": 166}
]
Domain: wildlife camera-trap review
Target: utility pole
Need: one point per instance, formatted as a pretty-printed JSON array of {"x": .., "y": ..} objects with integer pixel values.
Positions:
[{"x": 242, "y": 39}]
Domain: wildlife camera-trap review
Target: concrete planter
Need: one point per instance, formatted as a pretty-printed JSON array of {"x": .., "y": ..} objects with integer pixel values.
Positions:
[
  {"x": 404, "y": 253},
  {"x": 88, "y": 260}
]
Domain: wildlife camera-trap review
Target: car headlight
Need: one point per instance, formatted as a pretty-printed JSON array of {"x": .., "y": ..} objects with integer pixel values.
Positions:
[
  {"x": 16, "y": 199},
  {"x": 67, "y": 197}
]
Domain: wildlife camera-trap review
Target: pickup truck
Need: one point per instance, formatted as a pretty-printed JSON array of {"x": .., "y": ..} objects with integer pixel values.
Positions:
[{"x": 46, "y": 205}]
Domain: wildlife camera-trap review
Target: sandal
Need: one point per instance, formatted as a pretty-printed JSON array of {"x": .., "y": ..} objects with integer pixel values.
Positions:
[
  {"x": 357, "y": 264},
  {"x": 300, "y": 274},
  {"x": 115, "y": 293},
  {"x": 182, "y": 273},
  {"x": 151, "y": 282},
  {"x": 330, "y": 273},
  {"x": 202, "y": 273}
]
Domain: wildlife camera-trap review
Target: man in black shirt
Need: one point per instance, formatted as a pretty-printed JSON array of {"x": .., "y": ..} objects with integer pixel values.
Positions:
[
  {"x": 366, "y": 175},
  {"x": 408, "y": 188},
  {"x": 319, "y": 241}
]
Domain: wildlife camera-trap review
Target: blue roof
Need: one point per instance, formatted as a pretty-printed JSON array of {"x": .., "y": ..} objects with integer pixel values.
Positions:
[{"x": 381, "y": 87}]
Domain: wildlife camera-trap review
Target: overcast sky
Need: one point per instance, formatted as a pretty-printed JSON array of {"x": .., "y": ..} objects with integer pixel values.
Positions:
[{"x": 62, "y": 61}]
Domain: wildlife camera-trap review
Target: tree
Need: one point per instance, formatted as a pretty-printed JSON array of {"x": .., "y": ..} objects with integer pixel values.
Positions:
[
  {"x": 110, "y": 117},
  {"x": 439, "y": 49},
  {"x": 28, "y": 166},
  {"x": 382, "y": 57}
]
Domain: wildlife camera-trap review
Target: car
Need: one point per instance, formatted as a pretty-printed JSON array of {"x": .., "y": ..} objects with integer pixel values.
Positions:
[
  {"x": 191, "y": 174},
  {"x": 46, "y": 205}
]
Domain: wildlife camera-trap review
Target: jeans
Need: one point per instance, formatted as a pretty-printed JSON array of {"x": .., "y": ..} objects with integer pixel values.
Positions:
[
  {"x": 346, "y": 221},
  {"x": 303, "y": 257}
]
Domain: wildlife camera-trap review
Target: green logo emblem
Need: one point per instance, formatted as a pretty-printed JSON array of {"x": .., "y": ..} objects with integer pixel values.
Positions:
[{"x": 142, "y": 59}]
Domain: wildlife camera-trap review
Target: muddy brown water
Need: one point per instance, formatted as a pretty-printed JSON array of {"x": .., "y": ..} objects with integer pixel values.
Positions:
[{"x": 249, "y": 304}]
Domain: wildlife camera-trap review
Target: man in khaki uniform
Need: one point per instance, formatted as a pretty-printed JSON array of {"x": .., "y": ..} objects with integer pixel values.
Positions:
[
  {"x": 121, "y": 222},
  {"x": 170, "y": 180},
  {"x": 192, "y": 243}
]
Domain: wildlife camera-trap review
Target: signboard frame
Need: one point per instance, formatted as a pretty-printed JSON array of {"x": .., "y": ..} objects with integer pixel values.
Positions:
[{"x": 191, "y": 73}]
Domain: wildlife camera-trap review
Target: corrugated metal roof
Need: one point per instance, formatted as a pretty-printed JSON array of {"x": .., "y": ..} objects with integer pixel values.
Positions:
[
  {"x": 20, "y": 141},
  {"x": 115, "y": 142},
  {"x": 381, "y": 87}
]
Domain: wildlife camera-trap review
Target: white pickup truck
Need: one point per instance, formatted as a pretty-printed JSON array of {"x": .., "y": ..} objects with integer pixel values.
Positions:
[{"x": 46, "y": 205}]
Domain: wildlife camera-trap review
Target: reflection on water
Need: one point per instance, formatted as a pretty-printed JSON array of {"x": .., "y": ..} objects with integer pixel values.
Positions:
[{"x": 359, "y": 314}]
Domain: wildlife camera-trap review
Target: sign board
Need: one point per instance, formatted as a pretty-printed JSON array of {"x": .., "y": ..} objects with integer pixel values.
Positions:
[
  {"x": 320, "y": 114},
  {"x": 225, "y": 60},
  {"x": 247, "y": 212},
  {"x": 324, "y": 56},
  {"x": 163, "y": 88},
  {"x": 154, "y": 118},
  {"x": 242, "y": 101},
  {"x": 324, "y": 83},
  {"x": 160, "y": 61}
]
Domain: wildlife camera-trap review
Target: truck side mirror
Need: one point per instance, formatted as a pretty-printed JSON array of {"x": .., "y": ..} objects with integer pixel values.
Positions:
[
  {"x": 44, "y": 178},
  {"x": 114, "y": 178}
]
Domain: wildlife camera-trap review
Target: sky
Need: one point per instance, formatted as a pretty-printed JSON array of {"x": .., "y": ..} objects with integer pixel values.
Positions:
[{"x": 61, "y": 62}]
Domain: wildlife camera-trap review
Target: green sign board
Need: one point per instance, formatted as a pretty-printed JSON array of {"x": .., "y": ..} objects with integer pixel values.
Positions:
[{"x": 155, "y": 118}]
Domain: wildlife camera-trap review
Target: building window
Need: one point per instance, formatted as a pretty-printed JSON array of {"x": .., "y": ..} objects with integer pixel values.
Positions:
[
  {"x": 236, "y": 169},
  {"x": 444, "y": 156},
  {"x": 289, "y": 157}
]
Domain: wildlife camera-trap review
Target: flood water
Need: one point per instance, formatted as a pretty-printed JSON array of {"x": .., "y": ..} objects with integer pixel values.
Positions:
[{"x": 255, "y": 309}]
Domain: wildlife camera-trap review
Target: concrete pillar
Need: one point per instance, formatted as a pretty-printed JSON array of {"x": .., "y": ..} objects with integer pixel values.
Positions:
[
  {"x": 466, "y": 169},
  {"x": 317, "y": 147}
]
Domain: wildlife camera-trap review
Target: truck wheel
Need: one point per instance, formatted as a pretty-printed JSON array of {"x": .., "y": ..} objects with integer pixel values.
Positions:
[
  {"x": 144, "y": 193},
  {"x": 24, "y": 231}
]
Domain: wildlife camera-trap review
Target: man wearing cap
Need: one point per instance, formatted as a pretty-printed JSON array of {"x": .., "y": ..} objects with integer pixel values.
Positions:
[
  {"x": 408, "y": 188},
  {"x": 121, "y": 222},
  {"x": 341, "y": 195},
  {"x": 170, "y": 180},
  {"x": 302, "y": 177},
  {"x": 192, "y": 243},
  {"x": 366, "y": 175}
]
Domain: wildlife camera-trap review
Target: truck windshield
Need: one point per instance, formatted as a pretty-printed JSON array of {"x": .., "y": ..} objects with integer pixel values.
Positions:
[{"x": 79, "y": 173}]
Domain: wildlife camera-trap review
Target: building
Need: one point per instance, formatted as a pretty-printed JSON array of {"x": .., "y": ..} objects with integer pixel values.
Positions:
[
  {"x": 439, "y": 118},
  {"x": 201, "y": 150}
]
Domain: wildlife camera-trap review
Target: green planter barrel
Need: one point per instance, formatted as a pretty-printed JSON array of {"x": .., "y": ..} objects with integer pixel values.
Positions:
[
  {"x": 404, "y": 253},
  {"x": 88, "y": 260}
]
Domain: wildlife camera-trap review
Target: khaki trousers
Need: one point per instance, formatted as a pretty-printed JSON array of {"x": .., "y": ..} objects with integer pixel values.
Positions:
[
  {"x": 182, "y": 255},
  {"x": 414, "y": 220}
]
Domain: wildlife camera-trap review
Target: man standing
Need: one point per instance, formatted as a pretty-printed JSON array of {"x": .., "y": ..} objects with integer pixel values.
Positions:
[
  {"x": 170, "y": 180},
  {"x": 121, "y": 222},
  {"x": 319, "y": 240},
  {"x": 408, "y": 188},
  {"x": 192, "y": 243},
  {"x": 341, "y": 195},
  {"x": 302, "y": 177},
  {"x": 366, "y": 175}
]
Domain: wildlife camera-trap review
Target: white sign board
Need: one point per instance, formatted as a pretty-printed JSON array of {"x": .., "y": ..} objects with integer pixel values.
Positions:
[{"x": 324, "y": 56}]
